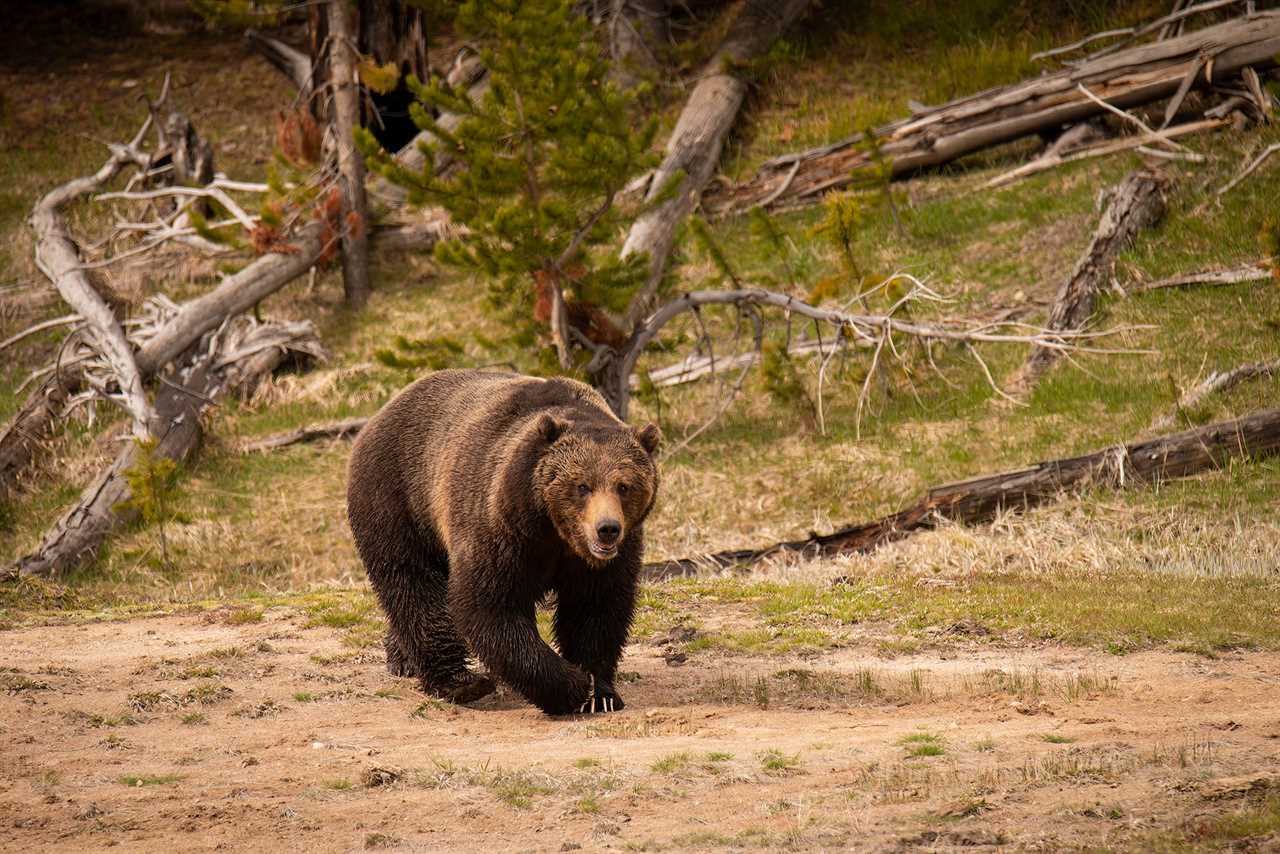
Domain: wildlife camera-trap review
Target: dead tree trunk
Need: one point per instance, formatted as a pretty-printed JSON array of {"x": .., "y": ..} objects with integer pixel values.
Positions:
[
  {"x": 981, "y": 498},
  {"x": 1137, "y": 203},
  {"x": 176, "y": 428},
  {"x": 346, "y": 118},
  {"x": 937, "y": 135},
  {"x": 693, "y": 152}
]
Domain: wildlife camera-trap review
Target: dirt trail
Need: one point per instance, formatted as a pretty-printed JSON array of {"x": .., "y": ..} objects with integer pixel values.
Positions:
[{"x": 187, "y": 733}]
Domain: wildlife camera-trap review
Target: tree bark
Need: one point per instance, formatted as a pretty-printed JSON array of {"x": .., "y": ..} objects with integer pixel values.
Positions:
[
  {"x": 937, "y": 135},
  {"x": 693, "y": 151},
  {"x": 346, "y": 118},
  {"x": 1137, "y": 203},
  {"x": 980, "y": 499}
]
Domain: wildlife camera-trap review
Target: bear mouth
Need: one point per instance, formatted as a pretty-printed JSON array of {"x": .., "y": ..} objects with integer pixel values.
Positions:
[{"x": 602, "y": 552}]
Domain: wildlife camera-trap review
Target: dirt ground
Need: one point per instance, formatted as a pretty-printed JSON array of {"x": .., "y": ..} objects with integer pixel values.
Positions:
[{"x": 191, "y": 733}]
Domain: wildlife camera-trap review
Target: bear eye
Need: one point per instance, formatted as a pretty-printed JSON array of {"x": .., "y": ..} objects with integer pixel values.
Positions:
[
  {"x": 583, "y": 489},
  {"x": 623, "y": 489}
]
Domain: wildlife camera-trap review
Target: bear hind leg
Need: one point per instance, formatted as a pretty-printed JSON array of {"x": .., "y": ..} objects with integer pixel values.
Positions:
[{"x": 422, "y": 640}]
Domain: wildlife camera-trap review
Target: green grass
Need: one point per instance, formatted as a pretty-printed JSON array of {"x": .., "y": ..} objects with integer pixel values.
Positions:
[
  {"x": 672, "y": 763},
  {"x": 140, "y": 780},
  {"x": 1054, "y": 738},
  {"x": 1142, "y": 609},
  {"x": 777, "y": 764},
  {"x": 923, "y": 744}
]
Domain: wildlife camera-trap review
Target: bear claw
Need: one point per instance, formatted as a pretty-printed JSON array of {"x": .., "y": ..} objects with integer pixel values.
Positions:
[{"x": 601, "y": 702}]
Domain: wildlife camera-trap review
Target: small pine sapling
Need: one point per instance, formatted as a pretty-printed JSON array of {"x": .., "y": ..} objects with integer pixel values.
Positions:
[
  {"x": 153, "y": 484},
  {"x": 542, "y": 157}
]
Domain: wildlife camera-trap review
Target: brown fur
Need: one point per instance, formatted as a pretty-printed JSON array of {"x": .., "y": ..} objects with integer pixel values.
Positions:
[{"x": 472, "y": 495}]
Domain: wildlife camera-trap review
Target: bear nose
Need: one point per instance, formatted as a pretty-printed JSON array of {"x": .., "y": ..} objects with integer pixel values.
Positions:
[{"x": 608, "y": 531}]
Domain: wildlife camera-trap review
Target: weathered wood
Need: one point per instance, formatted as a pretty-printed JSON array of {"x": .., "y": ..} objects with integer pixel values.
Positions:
[
  {"x": 1247, "y": 273},
  {"x": 58, "y": 257},
  {"x": 347, "y": 428},
  {"x": 693, "y": 151},
  {"x": 1137, "y": 203},
  {"x": 236, "y": 294},
  {"x": 938, "y": 135},
  {"x": 182, "y": 397},
  {"x": 980, "y": 499},
  {"x": 289, "y": 61},
  {"x": 346, "y": 118},
  {"x": 1112, "y": 146}
]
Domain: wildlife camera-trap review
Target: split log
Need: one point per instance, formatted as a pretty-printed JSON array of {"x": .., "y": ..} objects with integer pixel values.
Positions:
[
  {"x": 347, "y": 428},
  {"x": 980, "y": 499},
  {"x": 938, "y": 135},
  {"x": 346, "y": 118},
  {"x": 1216, "y": 382},
  {"x": 229, "y": 360},
  {"x": 1137, "y": 203},
  {"x": 693, "y": 151},
  {"x": 1247, "y": 273}
]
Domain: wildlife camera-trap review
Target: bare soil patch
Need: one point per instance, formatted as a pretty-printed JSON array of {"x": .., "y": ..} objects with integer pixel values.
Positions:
[{"x": 205, "y": 731}]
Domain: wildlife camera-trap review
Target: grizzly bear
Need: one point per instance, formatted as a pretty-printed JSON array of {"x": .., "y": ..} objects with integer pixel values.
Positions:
[{"x": 472, "y": 496}]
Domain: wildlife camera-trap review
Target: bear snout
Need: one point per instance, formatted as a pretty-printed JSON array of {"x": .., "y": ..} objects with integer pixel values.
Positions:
[{"x": 608, "y": 531}]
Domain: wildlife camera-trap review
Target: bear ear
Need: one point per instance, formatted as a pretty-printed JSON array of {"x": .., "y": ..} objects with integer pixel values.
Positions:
[
  {"x": 551, "y": 427},
  {"x": 649, "y": 437}
]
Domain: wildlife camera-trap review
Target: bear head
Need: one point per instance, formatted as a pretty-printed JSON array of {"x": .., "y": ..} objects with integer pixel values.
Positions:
[{"x": 597, "y": 481}]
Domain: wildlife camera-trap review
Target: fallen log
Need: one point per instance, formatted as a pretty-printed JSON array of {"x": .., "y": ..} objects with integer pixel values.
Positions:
[
  {"x": 228, "y": 360},
  {"x": 1137, "y": 203},
  {"x": 980, "y": 499},
  {"x": 347, "y": 428},
  {"x": 1218, "y": 381},
  {"x": 693, "y": 151},
  {"x": 938, "y": 135}
]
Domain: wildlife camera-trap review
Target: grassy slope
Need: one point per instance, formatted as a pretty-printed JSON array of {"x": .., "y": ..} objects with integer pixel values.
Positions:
[{"x": 271, "y": 525}]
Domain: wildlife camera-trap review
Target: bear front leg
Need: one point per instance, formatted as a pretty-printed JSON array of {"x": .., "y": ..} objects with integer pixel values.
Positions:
[
  {"x": 505, "y": 637},
  {"x": 592, "y": 621}
]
